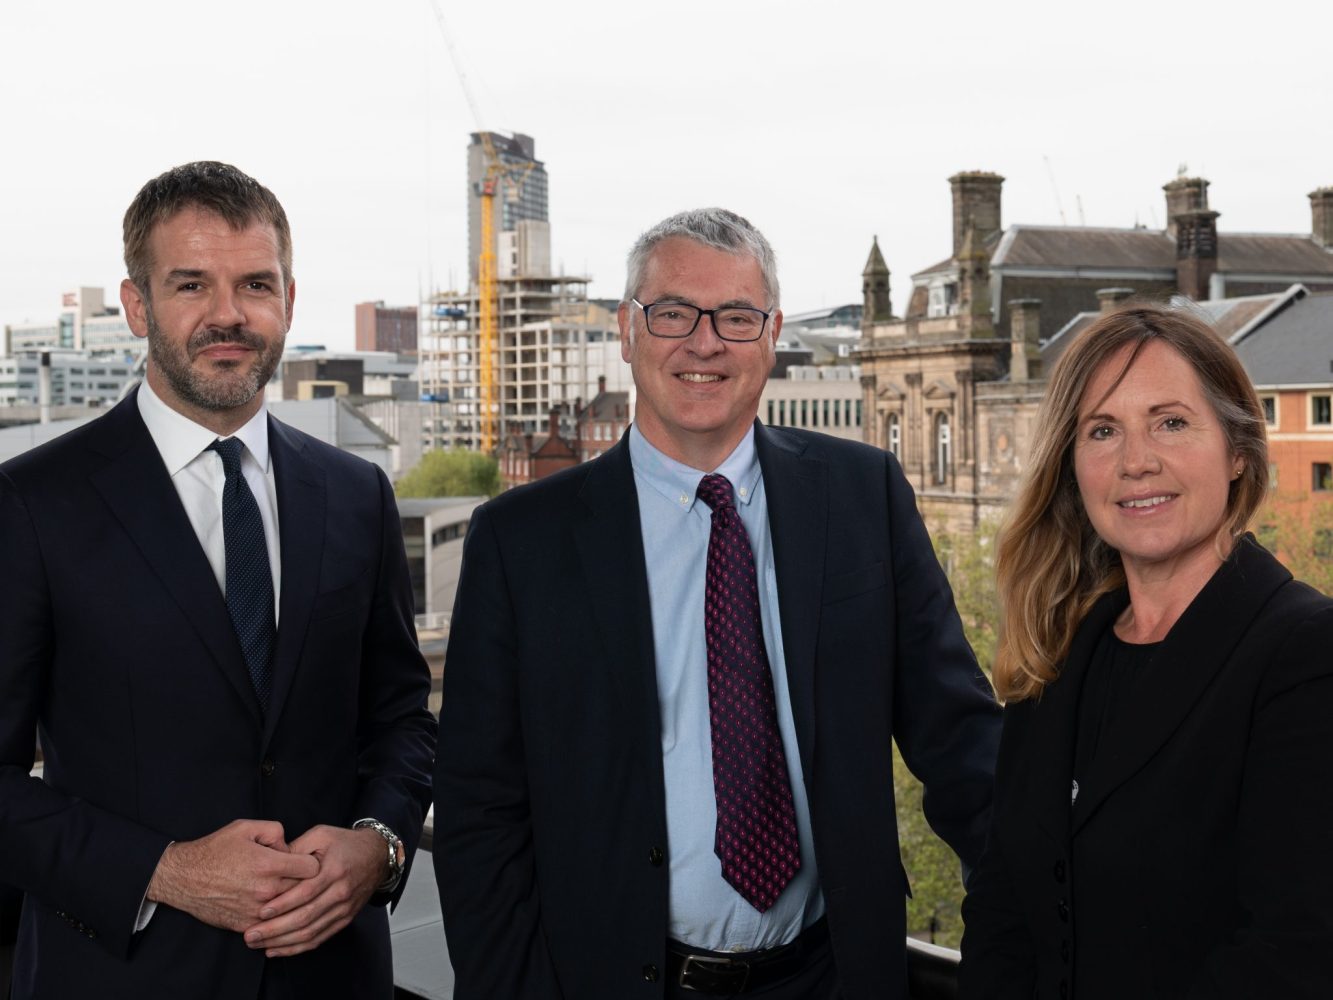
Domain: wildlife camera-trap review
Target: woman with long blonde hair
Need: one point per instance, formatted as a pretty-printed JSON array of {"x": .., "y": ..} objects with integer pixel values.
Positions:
[{"x": 1164, "y": 795}]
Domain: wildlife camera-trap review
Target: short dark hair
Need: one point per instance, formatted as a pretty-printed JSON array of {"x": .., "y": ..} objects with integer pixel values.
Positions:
[{"x": 214, "y": 187}]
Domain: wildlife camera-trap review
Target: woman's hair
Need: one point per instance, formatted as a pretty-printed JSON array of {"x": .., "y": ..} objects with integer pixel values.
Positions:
[{"x": 1050, "y": 565}]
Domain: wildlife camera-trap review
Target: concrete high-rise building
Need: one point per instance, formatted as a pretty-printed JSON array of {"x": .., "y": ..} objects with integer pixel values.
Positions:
[
  {"x": 386, "y": 328},
  {"x": 515, "y": 200},
  {"x": 85, "y": 323}
]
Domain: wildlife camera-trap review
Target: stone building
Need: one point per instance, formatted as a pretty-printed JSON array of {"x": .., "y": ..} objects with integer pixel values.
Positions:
[{"x": 952, "y": 386}]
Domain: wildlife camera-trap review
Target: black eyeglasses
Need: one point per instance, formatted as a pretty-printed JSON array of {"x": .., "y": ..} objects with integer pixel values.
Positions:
[{"x": 676, "y": 320}]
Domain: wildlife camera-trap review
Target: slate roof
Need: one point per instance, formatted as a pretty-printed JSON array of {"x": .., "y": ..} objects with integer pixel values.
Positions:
[
  {"x": 1232, "y": 318},
  {"x": 1251, "y": 253},
  {"x": 1086, "y": 246},
  {"x": 604, "y": 406},
  {"x": 1294, "y": 347},
  {"x": 1063, "y": 247}
]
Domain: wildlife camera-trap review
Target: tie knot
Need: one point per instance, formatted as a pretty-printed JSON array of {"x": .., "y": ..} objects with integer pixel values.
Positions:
[
  {"x": 230, "y": 451},
  {"x": 715, "y": 490}
]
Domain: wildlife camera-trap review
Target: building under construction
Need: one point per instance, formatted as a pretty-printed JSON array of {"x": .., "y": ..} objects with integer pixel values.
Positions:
[{"x": 547, "y": 344}]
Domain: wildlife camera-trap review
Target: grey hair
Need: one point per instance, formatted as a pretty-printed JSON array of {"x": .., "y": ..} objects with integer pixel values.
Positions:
[{"x": 711, "y": 227}]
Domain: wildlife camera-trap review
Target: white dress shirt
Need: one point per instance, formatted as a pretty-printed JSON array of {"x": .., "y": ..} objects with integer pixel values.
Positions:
[
  {"x": 199, "y": 478},
  {"x": 197, "y": 475}
]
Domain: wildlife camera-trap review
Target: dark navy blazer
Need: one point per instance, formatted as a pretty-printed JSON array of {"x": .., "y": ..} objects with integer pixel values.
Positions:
[
  {"x": 550, "y": 807},
  {"x": 116, "y": 646}
]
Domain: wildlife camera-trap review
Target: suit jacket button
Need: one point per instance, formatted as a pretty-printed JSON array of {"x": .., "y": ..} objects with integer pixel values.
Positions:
[
  {"x": 650, "y": 973},
  {"x": 1062, "y": 908},
  {"x": 1059, "y": 871},
  {"x": 655, "y": 857},
  {"x": 267, "y": 768}
]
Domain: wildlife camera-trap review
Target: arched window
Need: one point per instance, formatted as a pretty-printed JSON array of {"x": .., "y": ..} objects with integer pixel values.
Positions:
[
  {"x": 894, "y": 435},
  {"x": 943, "y": 449}
]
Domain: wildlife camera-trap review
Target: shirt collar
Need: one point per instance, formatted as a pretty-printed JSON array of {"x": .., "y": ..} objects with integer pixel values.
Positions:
[
  {"x": 180, "y": 440},
  {"x": 679, "y": 483}
]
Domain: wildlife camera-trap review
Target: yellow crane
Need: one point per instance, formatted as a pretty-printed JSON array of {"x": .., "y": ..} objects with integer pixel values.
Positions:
[{"x": 496, "y": 172}]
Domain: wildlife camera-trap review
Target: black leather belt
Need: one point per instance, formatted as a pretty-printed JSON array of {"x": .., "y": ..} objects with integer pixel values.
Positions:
[{"x": 729, "y": 974}]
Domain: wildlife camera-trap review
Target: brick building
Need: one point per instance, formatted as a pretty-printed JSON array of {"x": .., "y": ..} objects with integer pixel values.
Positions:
[
  {"x": 526, "y": 457},
  {"x": 386, "y": 328},
  {"x": 601, "y": 423}
]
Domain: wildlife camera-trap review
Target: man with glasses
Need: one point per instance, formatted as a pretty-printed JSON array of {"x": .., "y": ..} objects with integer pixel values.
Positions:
[{"x": 674, "y": 677}]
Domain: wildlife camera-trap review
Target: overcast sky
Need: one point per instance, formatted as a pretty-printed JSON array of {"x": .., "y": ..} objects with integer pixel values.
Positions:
[{"x": 825, "y": 123}]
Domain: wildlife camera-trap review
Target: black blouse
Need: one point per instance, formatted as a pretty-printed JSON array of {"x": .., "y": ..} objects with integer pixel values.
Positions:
[{"x": 1117, "y": 675}]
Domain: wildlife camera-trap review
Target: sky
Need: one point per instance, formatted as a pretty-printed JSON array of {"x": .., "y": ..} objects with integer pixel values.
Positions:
[{"x": 826, "y": 124}]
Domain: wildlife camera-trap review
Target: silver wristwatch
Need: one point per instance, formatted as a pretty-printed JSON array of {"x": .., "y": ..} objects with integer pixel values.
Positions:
[{"x": 397, "y": 853}]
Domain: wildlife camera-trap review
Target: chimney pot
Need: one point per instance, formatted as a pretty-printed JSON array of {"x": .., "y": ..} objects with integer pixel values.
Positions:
[
  {"x": 1109, "y": 299},
  {"x": 1321, "y": 213}
]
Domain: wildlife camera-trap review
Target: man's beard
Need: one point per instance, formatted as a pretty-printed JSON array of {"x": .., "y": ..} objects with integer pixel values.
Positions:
[{"x": 224, "y": 389}]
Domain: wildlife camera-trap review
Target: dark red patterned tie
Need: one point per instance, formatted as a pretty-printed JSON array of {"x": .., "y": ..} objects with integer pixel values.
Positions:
[{"x": 756, "y": 821}]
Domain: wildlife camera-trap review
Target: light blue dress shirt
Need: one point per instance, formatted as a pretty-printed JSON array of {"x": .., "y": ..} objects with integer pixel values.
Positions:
[{"x": 705, "y": 911}]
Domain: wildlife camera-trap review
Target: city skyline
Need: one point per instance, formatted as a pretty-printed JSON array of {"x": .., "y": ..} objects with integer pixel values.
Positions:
[{"x": 825, "y": 133}]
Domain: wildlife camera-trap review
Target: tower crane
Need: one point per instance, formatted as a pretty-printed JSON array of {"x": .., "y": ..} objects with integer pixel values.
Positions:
[{"x": 496, "y": 173}]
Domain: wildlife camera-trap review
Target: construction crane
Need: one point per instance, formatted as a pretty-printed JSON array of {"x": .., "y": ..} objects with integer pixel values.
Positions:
[{"x": 496, "y": 173}]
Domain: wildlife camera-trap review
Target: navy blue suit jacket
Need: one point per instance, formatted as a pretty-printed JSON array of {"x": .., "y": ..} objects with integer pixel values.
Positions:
[
  {"x": 550, "y": 803},
  {"x": 116, "y": 647}
]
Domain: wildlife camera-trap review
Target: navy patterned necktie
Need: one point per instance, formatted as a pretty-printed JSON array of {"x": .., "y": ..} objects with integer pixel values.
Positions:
[
  {"x": 249, "y": 579},
  {"x": 756, "y": 820}
]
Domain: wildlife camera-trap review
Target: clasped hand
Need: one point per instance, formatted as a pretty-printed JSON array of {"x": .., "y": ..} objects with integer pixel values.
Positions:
[{"x": 285, "y": 898}]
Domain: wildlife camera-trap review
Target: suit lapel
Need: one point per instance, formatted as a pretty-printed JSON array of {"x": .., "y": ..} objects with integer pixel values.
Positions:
[
  {"x": 134, "y": 484},
  {"x": 301, "y": 521},
  {"x": 1194, "y": 652},
  {"x": 796, "y": 491},
  {"x": 1054, "y": 725},
  {"x": 609, "y": 540}
]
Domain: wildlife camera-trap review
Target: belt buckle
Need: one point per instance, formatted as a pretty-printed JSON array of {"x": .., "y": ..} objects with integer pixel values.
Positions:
[{"x": 714, "y": 966}]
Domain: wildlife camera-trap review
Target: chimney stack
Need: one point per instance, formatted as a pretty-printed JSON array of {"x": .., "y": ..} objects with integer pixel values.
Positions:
[
  {"x": 1321, "y": 212},
  {"x": 1109, "y": 299},
  {"x": 1184, "y": 194},
  {"x": 976, "y": 203},
  {"x": 1024, "y": 331},
  {"x": 1196, "y": 253}
]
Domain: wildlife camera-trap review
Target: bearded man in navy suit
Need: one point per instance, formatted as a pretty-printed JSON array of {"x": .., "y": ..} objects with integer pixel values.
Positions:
[
  {"x": 206, "y": 617},
  {"x": 612, "y": 820}
]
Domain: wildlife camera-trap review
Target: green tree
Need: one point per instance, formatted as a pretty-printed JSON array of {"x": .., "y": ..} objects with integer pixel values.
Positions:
[
  {"x": 1301, "y": 535},
  {"x": 934, "y": 911},
  {"x": 456, "y": 473}
]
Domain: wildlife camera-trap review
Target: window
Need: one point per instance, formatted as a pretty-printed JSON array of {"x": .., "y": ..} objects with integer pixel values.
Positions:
[
  {"x": 782, "y": 412},
  {"x": 1323, "y": 542},
  {"x": 825, "y": 424},
  {"x": 1322, "y": 478},
  {"x": 1269, "y": 404},
  {"x": 895, "y": 435},
  {"x": 942, "y": 449},
  {"x": 770, "y": 413},
  {"x": 1321, "y": 410},
  {"x": 805, "y": 413}
]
